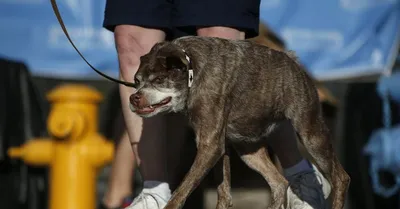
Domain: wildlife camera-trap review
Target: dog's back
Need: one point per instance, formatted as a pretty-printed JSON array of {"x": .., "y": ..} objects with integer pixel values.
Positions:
[{"x": 261, "y": 85}]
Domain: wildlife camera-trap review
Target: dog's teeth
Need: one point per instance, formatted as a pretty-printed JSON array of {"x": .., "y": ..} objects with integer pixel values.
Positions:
[{"x": 151, "y": 107}]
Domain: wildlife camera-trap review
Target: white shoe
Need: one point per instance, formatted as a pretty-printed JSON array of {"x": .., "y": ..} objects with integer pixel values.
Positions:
[{"x": 151, "y": 198}]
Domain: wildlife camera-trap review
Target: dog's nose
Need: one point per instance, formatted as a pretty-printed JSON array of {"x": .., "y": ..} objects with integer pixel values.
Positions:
[{"x": 134, "y": 99}]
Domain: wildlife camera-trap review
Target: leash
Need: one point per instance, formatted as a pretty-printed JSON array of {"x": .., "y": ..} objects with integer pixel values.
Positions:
[{"x": 60, "y": 20}]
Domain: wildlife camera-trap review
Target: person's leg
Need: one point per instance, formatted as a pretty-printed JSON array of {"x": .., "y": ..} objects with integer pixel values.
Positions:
[
  {"x": 120, "y": 179},
  {"x": 222, "y": 32},
  {"x": 137, "y": 26},
  {"x": 283, "y": 143},
  {"x": 133, "y": 42},
  {"x": 307, "y": 184}
]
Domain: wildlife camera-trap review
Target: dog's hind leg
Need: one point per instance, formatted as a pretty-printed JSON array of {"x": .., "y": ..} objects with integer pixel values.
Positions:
[
  {"x": 222, "y": 172},
  {"x": 258, "y": 160},
  {"x": 314, "y": 135}
]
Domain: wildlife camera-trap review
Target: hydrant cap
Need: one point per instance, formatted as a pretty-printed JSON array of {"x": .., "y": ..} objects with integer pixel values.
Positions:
[{"x": 74, "y": 92}]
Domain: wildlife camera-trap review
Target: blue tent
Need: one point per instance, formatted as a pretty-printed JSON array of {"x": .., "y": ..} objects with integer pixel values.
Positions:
[
  {"x": 335, "y": 39},
  {"x": 338, "y": 39}
]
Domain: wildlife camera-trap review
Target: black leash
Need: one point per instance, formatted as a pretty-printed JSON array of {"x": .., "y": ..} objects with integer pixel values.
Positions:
[{"x": 59, "y": 18}]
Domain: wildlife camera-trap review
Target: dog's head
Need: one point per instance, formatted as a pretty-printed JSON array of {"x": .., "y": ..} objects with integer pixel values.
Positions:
[{"x": 161, "y": 81}]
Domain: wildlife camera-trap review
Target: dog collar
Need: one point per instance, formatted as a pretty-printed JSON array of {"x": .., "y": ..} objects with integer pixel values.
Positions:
[{"x": 190, "y": 71}]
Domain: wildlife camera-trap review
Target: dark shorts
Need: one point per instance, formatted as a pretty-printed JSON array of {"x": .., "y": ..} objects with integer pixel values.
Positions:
[{"x": 182, "y": 17}]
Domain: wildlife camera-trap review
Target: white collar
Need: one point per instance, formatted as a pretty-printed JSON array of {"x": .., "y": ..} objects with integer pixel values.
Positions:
[{"x": 190, "y": 74}]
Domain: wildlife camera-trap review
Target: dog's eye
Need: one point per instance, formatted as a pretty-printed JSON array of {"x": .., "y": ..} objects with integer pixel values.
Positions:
[
  {"x": 159, "y": 79},
  {"x": 137, "y": 82}
]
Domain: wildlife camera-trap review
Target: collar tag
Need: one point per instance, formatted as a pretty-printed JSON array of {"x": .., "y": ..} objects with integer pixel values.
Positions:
[{"x": 190, "y": 78}]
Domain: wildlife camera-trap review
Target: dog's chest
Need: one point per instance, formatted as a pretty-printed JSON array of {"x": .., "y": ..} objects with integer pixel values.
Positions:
[{"x": 247, "y": 130}]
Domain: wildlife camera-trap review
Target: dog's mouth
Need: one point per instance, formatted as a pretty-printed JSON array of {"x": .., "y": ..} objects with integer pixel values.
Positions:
[{"x": 151, "y": 108}]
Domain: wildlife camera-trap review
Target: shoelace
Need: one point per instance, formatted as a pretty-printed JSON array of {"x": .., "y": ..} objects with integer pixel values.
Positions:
[
  {"x": 297, "y": 182},
  {"x": 143, "y": 195}
]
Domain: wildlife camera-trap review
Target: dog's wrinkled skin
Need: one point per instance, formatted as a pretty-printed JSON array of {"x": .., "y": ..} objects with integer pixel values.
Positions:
[{"x": 240, "y": 93}]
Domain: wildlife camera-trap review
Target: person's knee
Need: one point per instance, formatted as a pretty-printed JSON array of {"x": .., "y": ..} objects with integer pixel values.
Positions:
[
  {"x": 132, "y": 42},
  {"x": 222, "y": 32}
]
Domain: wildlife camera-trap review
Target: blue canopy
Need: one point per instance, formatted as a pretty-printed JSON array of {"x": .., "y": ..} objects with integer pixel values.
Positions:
[
  {"x": 31, "y": 33},
  {"x": 335, "y": 39},
  {"x": 338, "y": 38}
]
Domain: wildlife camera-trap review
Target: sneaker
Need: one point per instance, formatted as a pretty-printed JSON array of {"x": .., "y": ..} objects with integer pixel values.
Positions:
[
  {"x": 148, "y": 199},
  {"x": 306, "y": 191}
]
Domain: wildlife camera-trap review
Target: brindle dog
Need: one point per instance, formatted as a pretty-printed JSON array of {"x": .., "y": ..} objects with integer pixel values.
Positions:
[{"x": 235, "y": 92}]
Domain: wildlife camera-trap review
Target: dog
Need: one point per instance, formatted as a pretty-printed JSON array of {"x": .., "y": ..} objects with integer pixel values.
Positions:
[{"x": 235, "y": 93}]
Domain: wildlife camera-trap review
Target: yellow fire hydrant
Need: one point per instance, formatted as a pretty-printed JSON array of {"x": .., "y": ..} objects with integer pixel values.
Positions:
[{"x": 74, "y": 152}]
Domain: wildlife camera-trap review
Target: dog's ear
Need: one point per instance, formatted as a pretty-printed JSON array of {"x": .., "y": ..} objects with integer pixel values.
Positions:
[
  {"x": 176, "y": 63},
  {"x": 172, "y": 57}
]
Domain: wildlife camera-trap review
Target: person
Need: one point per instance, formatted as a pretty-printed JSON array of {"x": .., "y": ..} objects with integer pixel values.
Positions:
[{"x": 138, "y": 25}]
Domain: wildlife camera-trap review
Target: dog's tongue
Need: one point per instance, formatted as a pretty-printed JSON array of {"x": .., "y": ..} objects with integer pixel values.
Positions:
[{"x": 146, "y": 110}]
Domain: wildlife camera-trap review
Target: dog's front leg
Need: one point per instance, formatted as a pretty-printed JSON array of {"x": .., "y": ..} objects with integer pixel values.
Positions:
[{"x": 210, "y": 148}]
